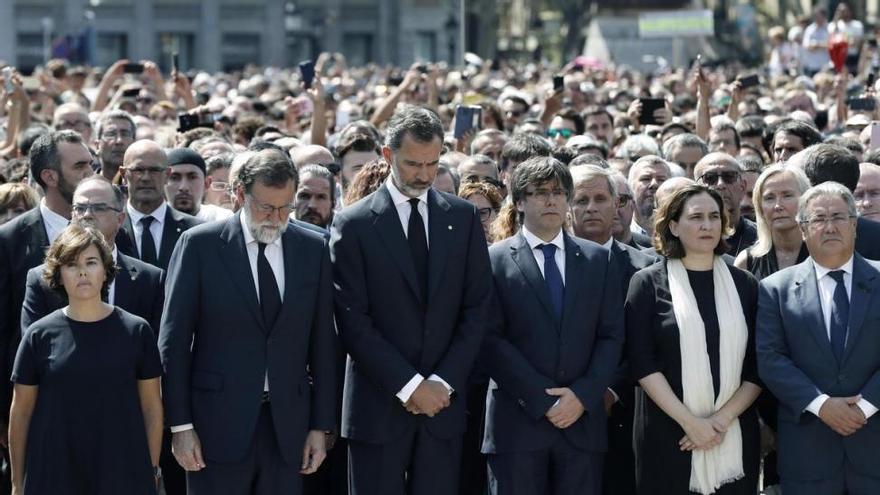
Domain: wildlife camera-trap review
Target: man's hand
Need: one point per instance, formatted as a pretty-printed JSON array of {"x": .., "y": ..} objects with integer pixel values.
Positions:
[
  {"x": 567, "y": 410},
  {"x": 314, "y": 452},
  {"x": 187, "y": 449},
  {"x": 839, "y": 414},
  {"x": 430, "y": 397},
  {"x": 553, "y": 101},
  {"x": 411, "y": 407}
]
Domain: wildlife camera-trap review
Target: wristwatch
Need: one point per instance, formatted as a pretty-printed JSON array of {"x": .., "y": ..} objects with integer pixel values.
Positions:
[{"x": 157, "y": 472}]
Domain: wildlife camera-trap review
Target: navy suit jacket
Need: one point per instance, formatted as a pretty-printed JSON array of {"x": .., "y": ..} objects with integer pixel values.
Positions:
[
  {"x": 139, "y": 289},
  {"x": 23, "y": 245},
  {"x": 389, "y": 332},
  {"x": 868, "y": 238},
  {"x": 796, "y": 362},
  {"x": 176, "y": 222},
  {"x": 528, "y": 349},
  {"x": 217, "y": 350}
]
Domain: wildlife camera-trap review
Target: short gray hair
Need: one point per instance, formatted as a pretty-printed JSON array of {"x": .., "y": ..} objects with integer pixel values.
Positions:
[
  {"x": 270, "y": 167},
  {"x": 686, "y": 140},
  {"x": 322, "y": 172},
  {"x": 638, "y": 145},
  {"x": 106, "y": 117},
  {"x": 645, "y": 161},
  {"x": 420, "y": 123},
  {"x": 118, "y": 195},
  {"x": 585, "y": 173},
  {"x": 833, "y": 189}
]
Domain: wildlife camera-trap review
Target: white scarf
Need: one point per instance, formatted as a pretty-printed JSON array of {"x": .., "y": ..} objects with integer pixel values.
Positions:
[{"x": 712, "y": 468}]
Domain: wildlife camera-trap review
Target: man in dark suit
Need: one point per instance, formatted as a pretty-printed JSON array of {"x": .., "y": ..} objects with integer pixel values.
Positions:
[
  {"x": 817, "y": 341},
  {"x": 829, "y": 162},
  {"x": 58, "y": 161},
  {"x": 411, "y": 273},
  {"x": 247, "y": 343},
  {"x": 594, "y": 206},
  {"x": 152, "y": 227},
  {"x": 554, "y": 341},
  {"x": 723, "y": 173},
  {"x": 625, "y": 212}
]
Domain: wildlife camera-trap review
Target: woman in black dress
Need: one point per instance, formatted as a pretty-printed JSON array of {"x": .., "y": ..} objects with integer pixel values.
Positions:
[
  {"x": 86, "y": 415},
  {"x": 780, "y": 245},
  {"x": 690, "y": 342}
]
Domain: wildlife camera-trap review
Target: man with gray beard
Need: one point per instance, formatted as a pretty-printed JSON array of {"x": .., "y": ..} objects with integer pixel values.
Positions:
[{"x": 250, "y": 384}]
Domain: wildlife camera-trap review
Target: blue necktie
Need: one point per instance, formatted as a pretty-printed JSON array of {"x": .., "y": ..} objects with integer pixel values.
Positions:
[
  {"x": 553, "y": 277},
  {"x": 839, "y": 315}
]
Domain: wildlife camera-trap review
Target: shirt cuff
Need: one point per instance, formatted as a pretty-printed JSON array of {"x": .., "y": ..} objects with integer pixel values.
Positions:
[
  {"x": 614, "y": 394},
  {"x": 179, "y": 428},
  {"x": 438, "y": 379},
  {"x": 814, "y": 406},
  {"x": 408, "y": 389},
  {"x": 867, "y": 408}
]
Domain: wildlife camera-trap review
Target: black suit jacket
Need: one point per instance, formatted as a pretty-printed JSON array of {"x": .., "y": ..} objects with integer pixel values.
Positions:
[
  {"x": 385, "y": 330},
  {"x": 23, "y": 245},
  {"x": 175, "y": 224},
  {"x": 529, "y": 349},
  {"x": 868, "y": 239},
  {"x": 139, "y": 289},
  {"x": 217, "y": 351},
  {"x": 639, "y": 241}
]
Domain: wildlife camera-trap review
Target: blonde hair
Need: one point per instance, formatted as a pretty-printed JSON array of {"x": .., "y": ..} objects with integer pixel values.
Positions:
[{"x": 765, "y": 235}]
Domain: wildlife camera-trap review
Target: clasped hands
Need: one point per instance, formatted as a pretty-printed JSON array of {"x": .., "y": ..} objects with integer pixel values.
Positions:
[
  {"x": 843, "y": 414},
  {"x": 567, "y": 409},
  {"x": 704, "y": 433},
  {"x": 429, "y": 398}
]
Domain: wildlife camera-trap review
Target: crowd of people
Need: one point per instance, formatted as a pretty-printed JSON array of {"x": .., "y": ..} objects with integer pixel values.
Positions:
[{"x": 611, "y": 282}]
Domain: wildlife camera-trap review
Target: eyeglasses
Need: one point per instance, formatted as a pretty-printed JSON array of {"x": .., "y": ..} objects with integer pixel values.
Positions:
[
  {"x": 545, "y": 194},
  {"x": 711, "y": 178},
  {"x": 266, "y": 209},
  {"x": 819, "y": 222},
  {"x": 623, "y": 200},
  {"x": 140, "y": 171},
  {"x": 111, "y": 135},
  {"x": 566, "y": 133},
  {"x": 96, "y": 208},
  {"x": 485, "y": 213},
  {"x": 514, "y": 113},
  {"x": 219, "y": 186}
]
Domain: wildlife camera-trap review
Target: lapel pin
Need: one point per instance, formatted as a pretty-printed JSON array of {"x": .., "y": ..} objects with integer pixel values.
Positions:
[
  {"x": 178, "y": 230},
  {"x": 450, "y": 227},
  {"x": 577, "y": 253}
]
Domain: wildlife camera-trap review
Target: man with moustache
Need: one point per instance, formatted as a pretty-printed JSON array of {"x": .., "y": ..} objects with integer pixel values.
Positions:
[
  {"x": 114, "y": 133},
  {"x": 250, "y": 384},
  {"x": 645, "y": 176},
  {"x": 152, "y": 226},
  {"x": 186, "y": 185},
  {"x": 411, "y": 275},
  {"x": 594, "y": 209},
  {"x": 315, "y": 196}
]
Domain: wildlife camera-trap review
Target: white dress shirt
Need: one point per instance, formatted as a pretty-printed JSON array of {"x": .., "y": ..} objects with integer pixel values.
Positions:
[
  {"x": 275, "y": 255},
  {"x": 827, "y": 285},
  {"x": 535, "y": 242},
  {"x": 54, "y": 222},
  {"x": 401, "y": 203},
  {"x": 111, "y": 291},
  {"x": 155, "y": 228},
  {"x": 212, "y": 213}
]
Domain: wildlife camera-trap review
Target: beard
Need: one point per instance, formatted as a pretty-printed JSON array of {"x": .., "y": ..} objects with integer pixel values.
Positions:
[
  {"x": 313, "y": 217},
  {"x": 66, "y": 189},
  {"x": 266, "y": 231}
]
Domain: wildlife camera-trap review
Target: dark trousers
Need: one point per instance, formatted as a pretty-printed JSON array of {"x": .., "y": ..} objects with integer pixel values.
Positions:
[
  {"x": 173, "y": 475},
  {"x": 415, "y": 463},
  {"x": 473, "y": 461},
  {"x": 559, "y": 470},
  {"x": 332, "y": 477},
  {"x": 848, "y": 482},
  {"x": 262, "y": 472},
  {"x": 619, "y": 471}
]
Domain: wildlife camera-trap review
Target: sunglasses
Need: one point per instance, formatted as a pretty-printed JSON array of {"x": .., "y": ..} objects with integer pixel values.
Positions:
[
  {"x": 711, "y": 178},
  {"x": 566, "y": 133}
]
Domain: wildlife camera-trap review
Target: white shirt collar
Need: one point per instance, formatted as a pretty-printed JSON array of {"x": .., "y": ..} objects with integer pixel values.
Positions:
[
  {"x": 115, "y": 254},
  {"x": 535, "y": 241},
  {"x": 158, "y": 214},
  {"x": 609, "y": 243},
  {"x": 397, "y": 197},
  {"x": 248, "y": 237},
  {"x": 54, "y": 222},
  {"x": 821, "y": 271}
]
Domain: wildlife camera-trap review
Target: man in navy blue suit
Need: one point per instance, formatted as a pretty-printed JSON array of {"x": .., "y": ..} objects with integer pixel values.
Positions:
[
  {"x": 553, "y": 345},
  {"x": 411, "y": 273},
  {"x": 817, "y": 341},
  {"x": 247, "y": 343}
]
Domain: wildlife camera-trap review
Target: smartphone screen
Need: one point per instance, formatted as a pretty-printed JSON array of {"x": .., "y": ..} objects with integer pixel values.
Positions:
[
  {"x": 307, "y": 71},
  {"x": 558, "y": 83},
  {"x": 649, "y": 106},
  {"x": 867, "y": 104},
  {"x": 133, "y": 68},
  {"x": 749, "y": 81},
  {"x": 467, "y": 118},
  {"x": 875, "y": 135}
]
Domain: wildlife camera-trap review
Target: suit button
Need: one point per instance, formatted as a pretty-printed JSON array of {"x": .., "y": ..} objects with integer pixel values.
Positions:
[
  {"x": 841, "y": 377},
  {"x": 521, "y": 402}
]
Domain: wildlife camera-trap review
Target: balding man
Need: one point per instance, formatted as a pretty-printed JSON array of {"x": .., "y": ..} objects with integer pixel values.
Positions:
[
  {"x": 152, "y": 226},
  {"x": 74, "y": 117},
  {"x": 723, "y": 173},
  {"x": 645, "y": 176},
  {"x": 867, "y": 191},
  {"x": 312, "y": 154}
]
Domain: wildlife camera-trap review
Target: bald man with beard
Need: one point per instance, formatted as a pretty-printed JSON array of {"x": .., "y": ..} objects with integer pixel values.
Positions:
[{"x": 152, "y": 227}]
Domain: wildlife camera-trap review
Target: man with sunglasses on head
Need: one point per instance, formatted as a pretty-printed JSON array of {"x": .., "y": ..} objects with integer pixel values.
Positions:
[
  {"x": 721, "y": 172},
  {"x": 152, "y": 226}
]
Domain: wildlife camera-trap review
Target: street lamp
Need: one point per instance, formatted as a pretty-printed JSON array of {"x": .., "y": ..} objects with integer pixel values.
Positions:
[{"x": 451, "y": 29}]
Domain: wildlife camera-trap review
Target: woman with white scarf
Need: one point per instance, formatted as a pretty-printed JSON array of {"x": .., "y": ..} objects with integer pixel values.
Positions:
[{"x": 690, "y": 340}]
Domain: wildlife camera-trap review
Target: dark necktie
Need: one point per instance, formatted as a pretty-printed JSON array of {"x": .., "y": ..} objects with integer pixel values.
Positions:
[
  {"x": 148, "y": 245},
  {"x": 418, "y": 245},
  {"x": 270, "y": 297},
  {"x": 839, "y": 315},
  {"x": 553, "y": 277}
]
